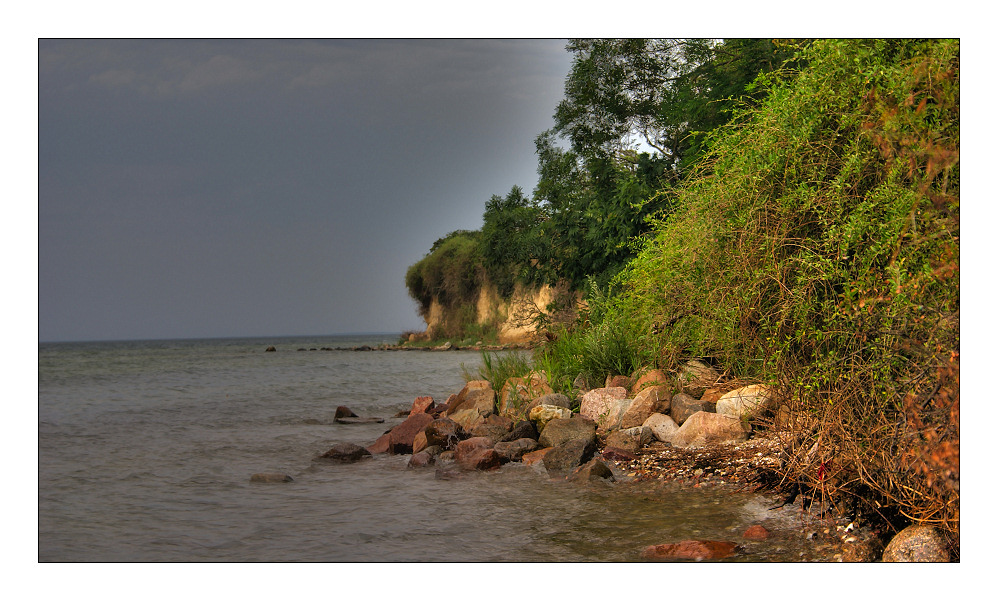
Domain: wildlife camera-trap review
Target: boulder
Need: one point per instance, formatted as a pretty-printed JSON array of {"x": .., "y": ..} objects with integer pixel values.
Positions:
[
  {"x": 422, "y": 404},
  {"x": 618, "y": 381},
  {"x": 345, "y": 452},
  {"x": 494, "y": 426},
  {"x": 593, "y": 470},
  {"x": 653, "y": 399},
  {"x": 535, "y": 456},
  {"x": 691, "y": 549},
  {"x": 696, "y": 376},
  {"x": 516, "y": 393},
  {"x": 477, "y": 454},
  {"x": 421, "y": 459},
  {"x": 523, "y": 429},
  {"x": 662, "y": 427},
  {"x": 683, "y": 406},
  {"x": 403, "y": 435},
  {"x": 559, "y": 431},
  {"x": 917, "y": 544},
  {"x": 476, "y": 394},
  {"x": 597, "y": 402},
  {"x": 704, "y": 428},
  {"x": 270, "y": 349},
  {"x": 342, "y": 411},
  {"x": 419, "y": 442},
  {"x": 444, "y": 432},
  {"x": 271, "y": 477},
  {"x": 652, "y": 377},
  {"x": 555, "y": 398},
  {"x": 542, "y": 414},
  {"x": 516, "y": 449},
  {"x": 711, "y": 395},
  {"x": 630, "y": 439},
  {"x": 612, "y": 418},
  {"x": 569, "y": 455},
  {"x": 468, "y": 418},
  {"x": 382, "y": 445},
  {"x": 747, "y": 402}
]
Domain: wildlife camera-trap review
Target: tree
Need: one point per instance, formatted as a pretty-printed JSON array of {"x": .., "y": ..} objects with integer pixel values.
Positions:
[{"x": 510, "y": 240}]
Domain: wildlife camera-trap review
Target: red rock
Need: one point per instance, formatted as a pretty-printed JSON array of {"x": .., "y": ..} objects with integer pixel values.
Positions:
[
  {"x": 691, "y": 549},
  {"x": 535, "y": 456},
  {"x": 403, "y": 435},
  {"x": 756, "y": 531},
  {"x": 382, "y": 444},
  {"x": 615, "y": 381},
  {"x": 615, "y": 454},
  {"x": 422, "y": 459},
  {"x": 419, "y": 442},
  {"x": 477, "y": 454},
  {"x": 422, "y": 404}
]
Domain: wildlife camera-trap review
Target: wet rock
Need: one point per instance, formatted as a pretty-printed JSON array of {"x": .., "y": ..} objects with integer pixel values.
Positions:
[
  {"x": 477, "y": 454},
  {"x": 271, "y": 477},
  {"x": 448, "y": 472},
  {"x": 515, "y": 450},
  {"x": 517, "y": 393},
  {"x": 917, "y": 544},
  {"x": 653, "y": 399},
  {"x": 342, "y": 411},
  {"x": 696, "y": 376},
  {"x": 747, "y": 402},
  {"x": 419, "y": 442},
  {"x": 593, "y": 470},
  {"x": 559, "y": 431},
  {"x": 542, "y": 414},
  {"x": 691, "y": 549},
  {"x": 345, "y": 452},
  {"x": 704, "y": 428},
  {"x": 569, "y": 455},
  {"x": 403, "y": 435},
  {"x": 494, "y": 426},
  {"x": 662, "y": 427},
  {"x": 523, "y": 429},
  {"x": 421, "y": 459},
  {"x": 683, "y": 406},
  {"x": 534, "y": 457},
  {"x": 422, "y": 404},
  {"x": 270, "y": 349},
  {"x": 652, "y": 377},
  {"x": 381, "y": 445},
  {"x": 360, "y": 420},
  {"x": 756, "y": 532},
  {"x": 597, "y": 402},
  {"x": 631, "y": 439},
  {"x": 615, "y": 454},
  {"x": 444, "y": 432}
]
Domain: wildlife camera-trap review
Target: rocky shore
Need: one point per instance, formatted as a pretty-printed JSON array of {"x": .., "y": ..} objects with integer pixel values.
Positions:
[{"x": 634, "y": 429}]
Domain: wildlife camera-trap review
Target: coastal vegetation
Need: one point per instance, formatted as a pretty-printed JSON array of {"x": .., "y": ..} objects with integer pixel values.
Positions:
[{"x": 784, "y": 212}]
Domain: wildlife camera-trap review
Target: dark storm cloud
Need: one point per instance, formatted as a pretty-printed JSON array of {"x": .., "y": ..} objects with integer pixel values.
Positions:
[{"x": 235, "y": 187}]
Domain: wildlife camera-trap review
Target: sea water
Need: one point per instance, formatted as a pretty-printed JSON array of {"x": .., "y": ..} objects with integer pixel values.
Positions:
[{"x": 146, "y": 449}]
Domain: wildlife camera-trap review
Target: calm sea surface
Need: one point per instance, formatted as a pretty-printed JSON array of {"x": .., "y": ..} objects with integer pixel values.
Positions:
[{"x": 146, "y": 451}]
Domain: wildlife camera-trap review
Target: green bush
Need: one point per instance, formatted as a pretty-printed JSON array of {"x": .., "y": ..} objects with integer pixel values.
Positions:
[
  {"x": 818, "y": 249},
  {"x": 451, "y": 272}
]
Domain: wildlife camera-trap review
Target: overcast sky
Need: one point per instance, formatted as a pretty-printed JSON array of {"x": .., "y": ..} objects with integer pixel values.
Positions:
[{"x": 245, "y": 188}]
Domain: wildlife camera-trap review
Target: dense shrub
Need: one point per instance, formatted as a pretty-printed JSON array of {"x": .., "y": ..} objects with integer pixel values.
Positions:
[
  {"x": 819, "y": 250},
  {"x": 451, "y": 272}
]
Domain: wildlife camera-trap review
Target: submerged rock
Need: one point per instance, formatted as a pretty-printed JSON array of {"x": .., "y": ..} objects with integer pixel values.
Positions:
[
  {"x": 345, "y": 452},
  {"x": 593, "y": 471},
  {"x": 270, "y": 477},
  {"x": 691, "y": 549}
]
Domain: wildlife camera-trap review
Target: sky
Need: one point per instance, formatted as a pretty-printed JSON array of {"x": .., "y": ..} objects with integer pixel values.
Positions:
[{"x": 216, "y": 188}]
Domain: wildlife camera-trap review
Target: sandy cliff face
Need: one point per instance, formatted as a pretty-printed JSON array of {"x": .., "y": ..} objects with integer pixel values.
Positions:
[{"x": 515, "y": 317}]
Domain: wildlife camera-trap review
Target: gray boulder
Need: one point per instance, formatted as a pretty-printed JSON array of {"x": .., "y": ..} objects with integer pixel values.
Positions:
[
  {"x": 662, "y": 427},
  {"x": 593, "y": 471},
  {"x": 683, "y": 406},
  {"x": 917, "y": 544},
  {"x": 559, "y": 431},
  {"x": 516, "y": 449},
  {"x": 569, "y": 455},
  {"x": 630, "y": 439}
]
